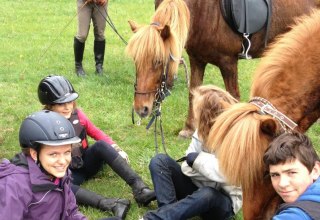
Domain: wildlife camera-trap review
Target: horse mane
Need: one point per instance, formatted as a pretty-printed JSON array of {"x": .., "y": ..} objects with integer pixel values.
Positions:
[
  {"x": 286, "y": 55},
  {"x": 146, "y": 45},
  {"x": 209, "y": 101},
  {"x": 238, "y": 142},
  {"x": 176, "y": 15}
]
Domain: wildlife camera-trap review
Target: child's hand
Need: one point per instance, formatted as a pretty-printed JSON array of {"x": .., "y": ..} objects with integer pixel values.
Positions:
[{"x": 122, "y": 153}]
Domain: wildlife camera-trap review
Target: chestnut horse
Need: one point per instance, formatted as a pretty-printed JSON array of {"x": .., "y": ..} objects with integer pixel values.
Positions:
[
  {"x": 156, "y": 50},
  {"x": 210, "y": 40},
  {"x": 287, "y": 81}
]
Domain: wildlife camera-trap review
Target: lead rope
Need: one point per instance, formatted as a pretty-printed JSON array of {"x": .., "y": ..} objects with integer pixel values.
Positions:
[{"x": 109, "y": 21}]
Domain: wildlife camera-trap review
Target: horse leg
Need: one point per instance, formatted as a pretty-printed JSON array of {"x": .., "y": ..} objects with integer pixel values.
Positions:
[
  {"x": 196, "y": 79},
  {"x": 229, "y": 71},
  {"x": 262, "y": 202}
]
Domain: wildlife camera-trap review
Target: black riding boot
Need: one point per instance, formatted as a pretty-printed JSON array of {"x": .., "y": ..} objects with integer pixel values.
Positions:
[
  {"x": 141, "y": 192},
  {"x": 99, "y": 47},
  {"x": 78, "y": 56},
  {"x": 119, "y": 207}
]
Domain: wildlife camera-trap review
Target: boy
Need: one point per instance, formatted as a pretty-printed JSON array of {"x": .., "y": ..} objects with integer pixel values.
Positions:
[{"x": 294, "y": 168}]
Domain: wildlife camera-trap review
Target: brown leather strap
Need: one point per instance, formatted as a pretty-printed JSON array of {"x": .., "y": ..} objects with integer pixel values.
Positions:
[{"x": 267, "y": 108}]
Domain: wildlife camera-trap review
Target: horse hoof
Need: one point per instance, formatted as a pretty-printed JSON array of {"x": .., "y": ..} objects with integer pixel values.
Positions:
[{"x": 186, "y": 133}]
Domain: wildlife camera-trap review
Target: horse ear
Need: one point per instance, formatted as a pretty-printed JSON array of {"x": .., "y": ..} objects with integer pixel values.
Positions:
[
  {"x": 269, "y": 126},
  {"x": 165, "y": 32},
  {"x": 225, "y": 104},
  {"x": 133, "y": 26}
]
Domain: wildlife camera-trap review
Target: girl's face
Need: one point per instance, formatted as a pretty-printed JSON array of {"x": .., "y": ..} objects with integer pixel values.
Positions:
[
  {"x": 54, "y": 159},
  {"x": 64, "y": 109}
]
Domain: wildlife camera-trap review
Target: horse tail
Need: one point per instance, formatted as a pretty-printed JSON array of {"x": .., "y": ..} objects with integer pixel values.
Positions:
[
  {"x": 175, "y": 14},
  {"x": 239, "y": 142}
]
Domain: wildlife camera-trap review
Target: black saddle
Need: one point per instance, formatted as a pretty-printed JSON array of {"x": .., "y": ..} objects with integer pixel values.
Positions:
[{"x": 247, "y": 17}]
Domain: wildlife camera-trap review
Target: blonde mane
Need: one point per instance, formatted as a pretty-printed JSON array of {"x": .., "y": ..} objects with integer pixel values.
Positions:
[
  {"x": 147, "y": 46},
  {"x": 287, "y": 56},
  {"x": 238, "y": 141}
]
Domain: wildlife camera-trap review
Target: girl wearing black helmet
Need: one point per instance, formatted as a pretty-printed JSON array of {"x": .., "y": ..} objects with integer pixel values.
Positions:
[
  {"x": 57, "y": 94},
  {"x": 35, "y": 184}
]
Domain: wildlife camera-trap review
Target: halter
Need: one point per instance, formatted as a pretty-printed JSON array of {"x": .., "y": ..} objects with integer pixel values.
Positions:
[
  {"x": 160, "y": 94},
  {"x": 267, "y": 108}
]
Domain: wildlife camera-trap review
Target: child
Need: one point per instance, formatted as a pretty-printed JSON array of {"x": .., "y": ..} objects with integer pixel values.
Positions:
[
  {"x": 294, "y": 168},
  {"x": 197, "y": 187},
  {"x": 35, "y": 185},
  {"x": 57, "y": 94}
]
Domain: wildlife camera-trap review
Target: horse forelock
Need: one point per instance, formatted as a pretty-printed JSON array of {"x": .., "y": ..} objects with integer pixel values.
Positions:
[
  {"x": 291, "y": 56},
  {"x": 238, "y": 142},
  {"x": 147, "y": 47}
]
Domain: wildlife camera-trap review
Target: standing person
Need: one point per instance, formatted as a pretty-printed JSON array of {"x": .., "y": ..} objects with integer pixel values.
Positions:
[
  {"x": 294, "y": 168},
  {"x": 197, "y": 187},
  {"x": 95, "y": 10},
  {"x": 57, "y": 94},
  {"x": 35, "y": 184}
]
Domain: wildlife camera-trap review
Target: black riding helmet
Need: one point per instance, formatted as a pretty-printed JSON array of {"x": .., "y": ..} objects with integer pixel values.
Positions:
[
  {"x": 46, "y": 127},
  {"x": 56, "y": 90}
]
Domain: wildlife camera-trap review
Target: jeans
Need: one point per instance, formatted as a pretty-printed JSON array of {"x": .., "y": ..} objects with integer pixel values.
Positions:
[{"x": 178, "y": 198}]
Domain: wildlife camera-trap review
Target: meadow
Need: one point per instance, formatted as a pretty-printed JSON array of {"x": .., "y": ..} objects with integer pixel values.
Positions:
[{"x": 36, "y": 39}]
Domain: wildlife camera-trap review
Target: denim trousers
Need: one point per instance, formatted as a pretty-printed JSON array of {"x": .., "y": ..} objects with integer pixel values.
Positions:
[{"x": 179, "y": 198}]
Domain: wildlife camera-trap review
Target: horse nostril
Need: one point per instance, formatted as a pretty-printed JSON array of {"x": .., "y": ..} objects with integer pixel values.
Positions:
[{"x": 145, "y": 111}]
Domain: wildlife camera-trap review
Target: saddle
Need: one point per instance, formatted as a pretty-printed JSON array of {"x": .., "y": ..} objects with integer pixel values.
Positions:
[{"x": 247, "y": 17}]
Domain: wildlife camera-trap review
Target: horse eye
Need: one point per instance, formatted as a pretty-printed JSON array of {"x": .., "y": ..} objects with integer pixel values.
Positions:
[{"x": 157, "y": 63}]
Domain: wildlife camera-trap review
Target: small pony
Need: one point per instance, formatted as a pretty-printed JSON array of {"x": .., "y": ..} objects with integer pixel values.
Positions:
[
  {"x": 156, "y": 50},
  {"x": 286, "y": 83}
]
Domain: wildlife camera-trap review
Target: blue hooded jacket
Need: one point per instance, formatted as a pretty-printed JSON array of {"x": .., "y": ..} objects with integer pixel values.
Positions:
[
  {"x": 311, "y": 194},
  {"x": 27, "y": 193}
]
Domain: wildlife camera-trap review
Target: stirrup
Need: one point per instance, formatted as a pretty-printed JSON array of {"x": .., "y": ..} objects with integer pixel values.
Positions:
[{"x": 244, "y": 54}]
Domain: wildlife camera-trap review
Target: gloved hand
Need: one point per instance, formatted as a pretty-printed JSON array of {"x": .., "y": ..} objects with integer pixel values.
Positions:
[
  {"x": 121, "y": 152},
  {"x": 191, "y": 157}
]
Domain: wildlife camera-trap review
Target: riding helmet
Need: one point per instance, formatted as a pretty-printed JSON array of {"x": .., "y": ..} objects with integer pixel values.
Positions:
[
  {"x": 56, "y": 90},
  {"x": 46, "y": 127}
]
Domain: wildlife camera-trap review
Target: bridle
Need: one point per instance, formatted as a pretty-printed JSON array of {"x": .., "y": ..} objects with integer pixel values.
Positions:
[
  {"x": 266, "y": 107},
  {"x": 161, "y": 92}
]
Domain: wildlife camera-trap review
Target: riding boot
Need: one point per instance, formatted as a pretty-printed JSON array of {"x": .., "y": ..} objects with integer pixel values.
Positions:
[
  {"x": 78, "y": 56},
  {"x": 141, "y": 192},
  {"x": 119, "y": 207},
  {"x": 99, "y": 47}
]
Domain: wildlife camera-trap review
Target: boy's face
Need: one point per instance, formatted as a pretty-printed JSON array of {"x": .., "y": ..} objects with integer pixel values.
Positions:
[
  {"x": 54, "y": 159},
  {"x": 292, "y": 178},
  {"x": 64, "y": 109}
]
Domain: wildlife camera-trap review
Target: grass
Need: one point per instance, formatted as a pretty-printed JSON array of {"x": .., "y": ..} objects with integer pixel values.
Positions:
[{"x": 36, "y": 39}]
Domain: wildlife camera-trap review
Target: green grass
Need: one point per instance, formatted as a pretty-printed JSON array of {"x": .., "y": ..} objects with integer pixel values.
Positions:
[{"x": 36, "y": 39}]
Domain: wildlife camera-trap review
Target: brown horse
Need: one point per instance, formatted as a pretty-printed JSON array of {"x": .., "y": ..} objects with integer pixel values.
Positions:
[
  {"x": 210, "y": 40},
  {"x": 287, "y": 79},
  {"x": 156, "y": 50}
]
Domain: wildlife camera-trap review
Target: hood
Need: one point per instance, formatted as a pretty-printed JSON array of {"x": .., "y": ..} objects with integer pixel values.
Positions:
[
  {"x": 9, "y": 168},
  {"x": 312, "y": 193}
]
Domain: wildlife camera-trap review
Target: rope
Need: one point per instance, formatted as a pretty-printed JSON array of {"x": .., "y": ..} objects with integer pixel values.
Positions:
[
  {"x": 63, "y": 29},
  {"x": 110, "y": 23}
]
